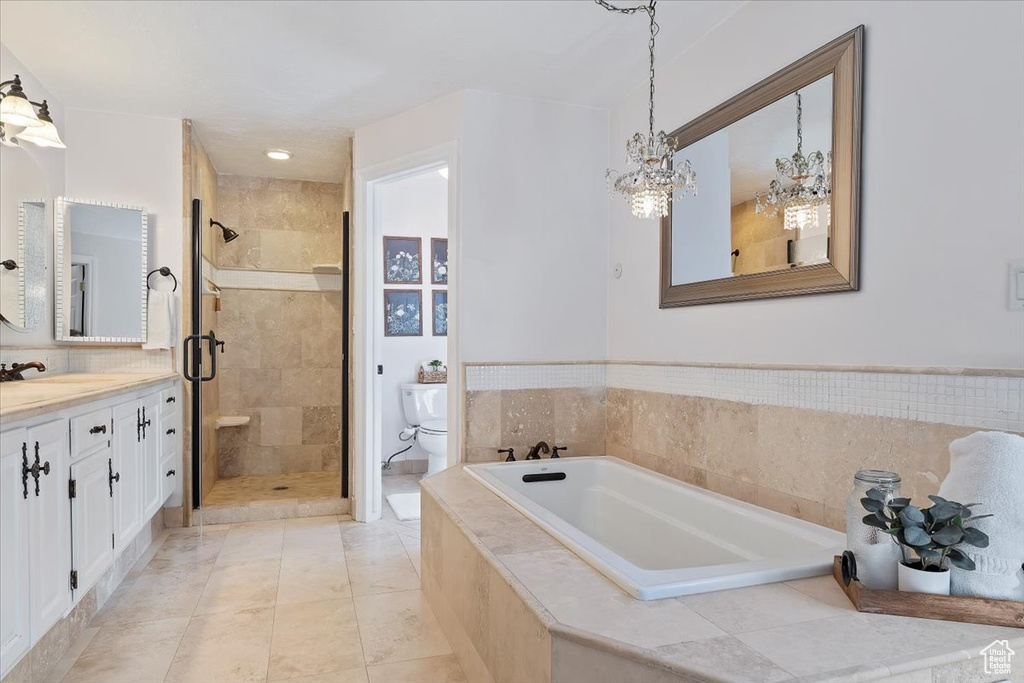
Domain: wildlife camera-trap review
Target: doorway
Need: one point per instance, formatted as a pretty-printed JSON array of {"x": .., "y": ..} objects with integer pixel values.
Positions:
[{"x": 406, "y": 303}]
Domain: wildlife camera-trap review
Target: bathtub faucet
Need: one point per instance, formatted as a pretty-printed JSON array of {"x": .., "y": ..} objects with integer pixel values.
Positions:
[{"x": 541, "y": 447}]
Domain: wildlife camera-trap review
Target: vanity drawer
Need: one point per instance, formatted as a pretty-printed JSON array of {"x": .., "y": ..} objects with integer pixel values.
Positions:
[
  {"x": 169, "y": 400},
  {"x": 170, "y": 437},
  {"x": 90, "y": 430},
  {"x": 168, "y": 477}
]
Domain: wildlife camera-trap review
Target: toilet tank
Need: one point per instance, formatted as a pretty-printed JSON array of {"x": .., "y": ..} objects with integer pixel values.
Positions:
[{"x": 423, "y": 402}]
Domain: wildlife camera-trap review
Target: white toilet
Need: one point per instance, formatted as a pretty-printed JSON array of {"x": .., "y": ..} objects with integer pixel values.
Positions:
[{"x": 426, "y": 408}]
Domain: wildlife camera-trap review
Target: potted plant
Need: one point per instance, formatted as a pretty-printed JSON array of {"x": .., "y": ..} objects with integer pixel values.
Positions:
[
  {"x": 928, "y": 538},
  {"x": 436, "y": 365}
]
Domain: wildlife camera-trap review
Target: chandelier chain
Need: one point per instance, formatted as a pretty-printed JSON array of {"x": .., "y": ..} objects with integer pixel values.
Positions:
[
  {"x": 650, "y": 10},
  {"x": 799, "y": 125}
]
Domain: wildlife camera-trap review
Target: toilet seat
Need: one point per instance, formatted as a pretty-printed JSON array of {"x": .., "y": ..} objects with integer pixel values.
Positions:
[{"x": 436, "y": 427}]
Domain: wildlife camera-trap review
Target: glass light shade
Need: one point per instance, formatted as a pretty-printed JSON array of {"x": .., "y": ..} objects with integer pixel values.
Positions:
[
  {"x": 44, "y": 135},
  {"x": 18, "y": 111}
]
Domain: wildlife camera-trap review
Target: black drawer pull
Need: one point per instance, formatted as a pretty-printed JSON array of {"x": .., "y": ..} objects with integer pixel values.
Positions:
[
  {"x": 170, "y": 473},
  {"x": 171, "y": 430},
  {"x": 170, "y": 399},
  {"x": 98, "y": 429}
]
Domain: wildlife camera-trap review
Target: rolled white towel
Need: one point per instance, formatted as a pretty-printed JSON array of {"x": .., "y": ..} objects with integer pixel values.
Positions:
[{"x": 988, "y": 468}]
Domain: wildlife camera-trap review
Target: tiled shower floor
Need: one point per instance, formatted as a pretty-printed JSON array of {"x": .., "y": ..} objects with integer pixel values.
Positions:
[{"x": 261, "y": 488}]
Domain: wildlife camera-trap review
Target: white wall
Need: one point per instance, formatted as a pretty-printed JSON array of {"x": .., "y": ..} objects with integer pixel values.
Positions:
[
  {"x": 534, "y": 230},
  {"x": 942, "y": 202},
  {"x": 415, "y": 206},
  {"x": 114, "y": 282}
]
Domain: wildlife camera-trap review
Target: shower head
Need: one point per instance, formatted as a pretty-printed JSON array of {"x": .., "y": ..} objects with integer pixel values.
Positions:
[{"x": 228, "y": 233}]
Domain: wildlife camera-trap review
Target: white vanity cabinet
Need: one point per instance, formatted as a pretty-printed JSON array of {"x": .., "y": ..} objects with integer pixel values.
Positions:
[
  {"x": 76, "y": 486},
  {"x": 15, "y": 601}
]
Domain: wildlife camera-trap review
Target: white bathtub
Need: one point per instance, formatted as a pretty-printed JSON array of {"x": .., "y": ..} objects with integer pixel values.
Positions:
[{"x": 657, "y": 537}]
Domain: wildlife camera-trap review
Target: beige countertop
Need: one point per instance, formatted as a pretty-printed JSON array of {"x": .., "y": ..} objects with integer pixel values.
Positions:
[
  {"x": 47, "y": 393},
  {"x": 796, "y": 630}
]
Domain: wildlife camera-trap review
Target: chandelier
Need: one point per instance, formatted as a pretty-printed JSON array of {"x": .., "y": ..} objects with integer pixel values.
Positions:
[
  {"x": 802, "y": 183},
  {"x": 19, "y": 121},
  {"x": 654, "y": 182}
]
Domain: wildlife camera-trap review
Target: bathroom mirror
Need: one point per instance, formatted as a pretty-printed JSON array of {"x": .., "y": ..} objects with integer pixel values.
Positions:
[
  {"x": 778, "y": 175},
  {"x": 23, "y": 236},
  {"x": 100, "y": 271}
]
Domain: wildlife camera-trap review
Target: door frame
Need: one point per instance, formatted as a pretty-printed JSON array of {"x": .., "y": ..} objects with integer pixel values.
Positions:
[{"x": 368, "y": 300}]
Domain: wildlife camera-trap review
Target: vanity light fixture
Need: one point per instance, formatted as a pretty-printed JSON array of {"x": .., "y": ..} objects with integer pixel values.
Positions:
[
  {"x": 802, "y": 183},
  {"x": 278, "y": 154},
  {"x": 19, "y": 120},
  {"x": 654, "y": 182}
]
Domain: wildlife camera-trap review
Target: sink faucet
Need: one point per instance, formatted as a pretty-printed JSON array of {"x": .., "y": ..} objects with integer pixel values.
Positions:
[
  {"x": 541, "y": 447},
  {"x": 14, "y": 374}
]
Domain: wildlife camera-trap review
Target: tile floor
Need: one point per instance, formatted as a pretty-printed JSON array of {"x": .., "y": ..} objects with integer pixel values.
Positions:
[
  {"x": 314, "y": 600},
  {"x": 257, "y": 489}
]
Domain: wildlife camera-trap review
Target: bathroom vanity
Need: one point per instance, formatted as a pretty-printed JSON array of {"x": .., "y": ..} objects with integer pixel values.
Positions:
[{"x": 86, "y": 462}]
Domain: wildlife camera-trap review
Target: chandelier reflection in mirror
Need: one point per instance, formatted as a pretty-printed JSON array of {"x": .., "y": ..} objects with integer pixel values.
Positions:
[
  {"x": 19, "y": 121},
  {"x": 654, "y": 182},
  {"x": 803, "y": 184}
]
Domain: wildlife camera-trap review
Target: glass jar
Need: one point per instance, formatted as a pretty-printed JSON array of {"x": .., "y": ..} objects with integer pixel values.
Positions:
[{"x": 877, "y": 553}]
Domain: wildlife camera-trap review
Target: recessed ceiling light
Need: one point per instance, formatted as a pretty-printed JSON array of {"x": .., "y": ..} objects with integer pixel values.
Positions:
[
  {"x": 443, "y": 172},
  {"x": 278, "y": 154}
]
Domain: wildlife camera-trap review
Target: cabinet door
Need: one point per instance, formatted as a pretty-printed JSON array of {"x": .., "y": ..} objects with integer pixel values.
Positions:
[
  {"x": 92, "y": 518},
  {"x": 126, "y": 445},
  {"x": 49, "y": 526},
  {"x": 152, "y": 487},
  {"x": 15, "y": 596}
]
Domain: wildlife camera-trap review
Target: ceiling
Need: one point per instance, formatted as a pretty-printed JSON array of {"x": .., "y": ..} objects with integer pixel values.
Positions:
[{"x": 302, "y": 75}]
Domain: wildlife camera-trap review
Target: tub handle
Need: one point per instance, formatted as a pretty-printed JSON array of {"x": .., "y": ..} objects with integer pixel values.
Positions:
[{"x": 543, "y": 476}]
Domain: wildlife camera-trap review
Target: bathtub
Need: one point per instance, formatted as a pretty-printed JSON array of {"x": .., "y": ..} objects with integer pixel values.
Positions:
[{"x": 657, "y": 537}]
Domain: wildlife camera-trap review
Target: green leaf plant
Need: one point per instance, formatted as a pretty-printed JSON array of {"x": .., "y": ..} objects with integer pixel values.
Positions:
[
  {"x": 436, "y": 364},
  {"x": 928, "y": 538}
]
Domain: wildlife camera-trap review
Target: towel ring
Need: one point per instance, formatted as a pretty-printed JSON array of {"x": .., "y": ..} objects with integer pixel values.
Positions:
[{"x": 166, "y": 272}]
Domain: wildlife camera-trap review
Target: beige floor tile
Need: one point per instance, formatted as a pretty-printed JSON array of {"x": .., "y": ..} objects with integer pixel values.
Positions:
[
  {"x": 253, "y": 541},
  {"x": 397, "y": 627},
  {"x": 382, "y": 572},
  {"x": 312, "y": 536},
  {"x": 129, "y": 652},
  {"x": 157, "y": 595},
  {"x": 349, "y": 676},
  {"x": 313, "y": 578},
  {"x": 261, "y": 488},
  {"x": 412, "y": 547},
  {"x": 430, "y": 670},
  {"x": 75, "y": 651},
  {"x": 223, "y": 648},
  {"x": 241, "y": 585},
  {"x": 315, "y": 638}
]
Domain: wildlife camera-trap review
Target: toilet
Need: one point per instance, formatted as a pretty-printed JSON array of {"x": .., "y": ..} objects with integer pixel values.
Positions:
[{"x": 426, "y": 409}]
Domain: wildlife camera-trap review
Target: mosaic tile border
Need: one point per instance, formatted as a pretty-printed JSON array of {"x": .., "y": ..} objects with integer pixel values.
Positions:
[{"x": 988, "y": 402}]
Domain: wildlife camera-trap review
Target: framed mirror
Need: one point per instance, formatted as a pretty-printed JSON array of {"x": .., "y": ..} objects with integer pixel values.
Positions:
[
  {"x": 778, "y": 167},
  {"x": 100, "y": 259}
]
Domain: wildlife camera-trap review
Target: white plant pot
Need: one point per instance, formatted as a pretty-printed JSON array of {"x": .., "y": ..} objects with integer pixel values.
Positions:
[{"x": 919, "y": 581}]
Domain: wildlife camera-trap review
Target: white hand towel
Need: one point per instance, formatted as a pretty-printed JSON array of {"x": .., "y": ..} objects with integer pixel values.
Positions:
[
  {"x": 988, "y": 468},
  {"x": 160, "y": 313}
]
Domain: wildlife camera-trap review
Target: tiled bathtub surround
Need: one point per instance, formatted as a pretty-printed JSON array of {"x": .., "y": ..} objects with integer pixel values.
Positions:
[{"x": 789, "y": 440}]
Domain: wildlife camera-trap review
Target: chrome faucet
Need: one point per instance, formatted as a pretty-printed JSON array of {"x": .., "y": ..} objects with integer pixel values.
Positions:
[
  {"x": 541, "y": 447},
  {"x": 14, "y": 374}
]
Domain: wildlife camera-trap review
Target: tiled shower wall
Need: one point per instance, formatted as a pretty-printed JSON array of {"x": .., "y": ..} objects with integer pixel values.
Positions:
[
  {"x": 789, "y": 440},
  {"x": 281, "y": 325}
]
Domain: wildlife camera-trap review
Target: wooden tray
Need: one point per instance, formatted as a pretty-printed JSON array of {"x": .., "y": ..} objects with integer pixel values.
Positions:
[{"x": 927, "y": 606}]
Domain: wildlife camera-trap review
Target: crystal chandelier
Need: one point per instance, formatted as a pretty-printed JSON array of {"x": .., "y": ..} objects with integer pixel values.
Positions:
[
  {"x": 801, "y": 186},
  {"x": 654, "y": 182}
]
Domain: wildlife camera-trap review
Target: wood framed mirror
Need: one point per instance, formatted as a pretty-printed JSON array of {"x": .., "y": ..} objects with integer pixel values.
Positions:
[{"x": 760, "y": 227}]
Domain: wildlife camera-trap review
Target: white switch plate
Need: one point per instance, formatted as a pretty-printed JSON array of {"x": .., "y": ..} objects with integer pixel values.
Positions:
[{"x": 1016, "y": 294}]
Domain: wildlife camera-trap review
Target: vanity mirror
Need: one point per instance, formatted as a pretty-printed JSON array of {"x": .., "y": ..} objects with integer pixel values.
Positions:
[
  {"x": 100, "y": 272},
  {"x": 779, "y": 173},
  {"x": 23, "y": 236}
]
